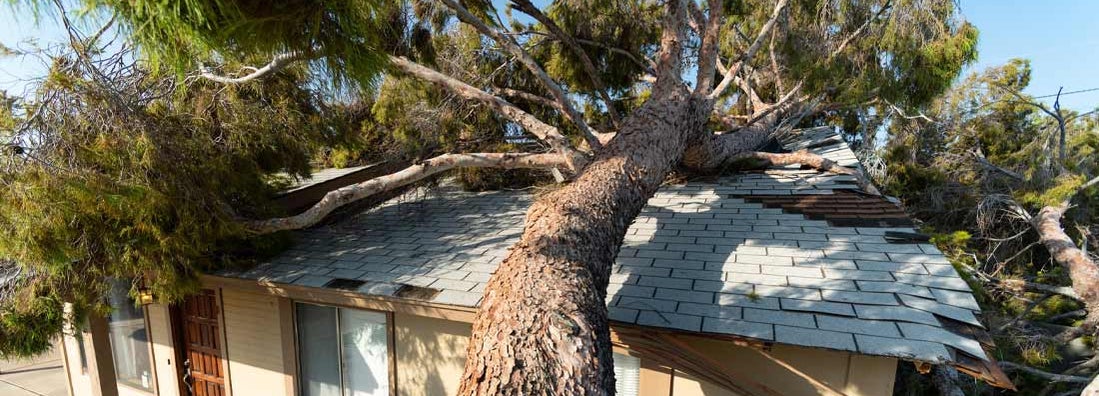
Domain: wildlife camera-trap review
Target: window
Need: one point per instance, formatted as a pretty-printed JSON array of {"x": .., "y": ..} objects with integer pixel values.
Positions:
[
  {"x": 627, "y": 375},
  {"x": 342, "y": 352},
  {"x": 129, "y": 339}
]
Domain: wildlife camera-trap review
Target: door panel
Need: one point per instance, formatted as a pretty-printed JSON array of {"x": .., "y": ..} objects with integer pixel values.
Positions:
[{"x": 202, "y": 345}]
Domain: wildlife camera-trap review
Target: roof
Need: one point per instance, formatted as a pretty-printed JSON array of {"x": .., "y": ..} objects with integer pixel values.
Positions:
[{"x": 786, "y": 255}]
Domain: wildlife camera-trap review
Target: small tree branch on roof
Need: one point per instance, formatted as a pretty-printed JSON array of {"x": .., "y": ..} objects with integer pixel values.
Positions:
[{"x": 343, "y": 196}]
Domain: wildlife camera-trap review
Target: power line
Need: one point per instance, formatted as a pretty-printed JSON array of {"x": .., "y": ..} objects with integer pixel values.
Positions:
[{"x": 1068, "y": 93}]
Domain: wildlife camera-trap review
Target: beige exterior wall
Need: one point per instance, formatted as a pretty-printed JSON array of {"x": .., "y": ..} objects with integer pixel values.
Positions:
[
  {"x": 431, "y": 354},
  {"x": 164, "y": 357},
  {"x": 79, "y": 380},
  {"x": 254, "y": 344},
  {"x": 850, "y": 374}
]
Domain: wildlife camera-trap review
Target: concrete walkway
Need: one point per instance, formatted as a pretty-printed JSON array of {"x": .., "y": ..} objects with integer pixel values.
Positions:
[{"x": 40, "y": 376}]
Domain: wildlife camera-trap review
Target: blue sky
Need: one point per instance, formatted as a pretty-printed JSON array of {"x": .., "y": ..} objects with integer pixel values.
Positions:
[{"x": 1061, "y": 37}]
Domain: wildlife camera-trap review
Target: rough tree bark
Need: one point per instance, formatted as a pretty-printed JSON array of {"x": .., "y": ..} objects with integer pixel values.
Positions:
[
  {"x": 1081, "y": 269},
  {"x": 542, "y": 327}
]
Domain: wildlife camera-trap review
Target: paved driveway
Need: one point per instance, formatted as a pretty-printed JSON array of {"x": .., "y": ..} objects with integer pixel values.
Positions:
[{"x": 41, "y": 376}]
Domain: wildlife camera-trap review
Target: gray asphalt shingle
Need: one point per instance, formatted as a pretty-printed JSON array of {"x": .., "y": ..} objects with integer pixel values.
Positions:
[{"x": 698, "y": 258}]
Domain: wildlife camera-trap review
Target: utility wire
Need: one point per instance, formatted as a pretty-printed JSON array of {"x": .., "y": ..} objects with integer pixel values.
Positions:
[{"x": 1066, "y": 93}]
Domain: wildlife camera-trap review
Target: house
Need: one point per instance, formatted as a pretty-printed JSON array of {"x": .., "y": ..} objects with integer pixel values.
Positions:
[{"x": 784, "y": 281}]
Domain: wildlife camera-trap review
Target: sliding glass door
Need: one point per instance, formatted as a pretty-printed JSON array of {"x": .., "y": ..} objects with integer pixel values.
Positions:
[{"x": 341, "y": 351}]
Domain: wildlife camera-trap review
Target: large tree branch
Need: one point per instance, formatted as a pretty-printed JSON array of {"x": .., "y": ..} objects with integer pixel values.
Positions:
[
  {"x": 528, "y": 8},
  {"x": 278, "y": 62},
  {"x": 520, "y": 54},
  {"x": 673, "y": 36},
  {"x": 1044, "y": 374},
  {"x": 804, "y": 158},
  {"x": 751, "y": 51},
  {"x": 1081, "y": 269},
  {"x": 532, "y": 124},
  {"x": 346, "y": 195},
  {"x": 707, "y": 54}
]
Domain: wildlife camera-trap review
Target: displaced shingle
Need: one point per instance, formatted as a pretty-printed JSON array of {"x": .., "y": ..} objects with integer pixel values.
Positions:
[
  {"x": 957, "y": 299},
  {"x": 909, "y": 349},
  {"x": 940, "y": 335},
  {"x": 779, "y": 317},
  {"x": 897, "y": 313},
  {"x": 959, "y": 314},
  {"x": 814, "y": 338},
  {"x": 817, "y": 306},
  {"x": 738, "y": 327},
  {"x": 860, "y": 297},
  {"x": 671, "y": 320},
  {"x": 858, "y": 326}
]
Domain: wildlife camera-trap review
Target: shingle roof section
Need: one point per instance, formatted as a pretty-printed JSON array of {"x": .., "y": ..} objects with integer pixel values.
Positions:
[{"x": 700, "y": 257}]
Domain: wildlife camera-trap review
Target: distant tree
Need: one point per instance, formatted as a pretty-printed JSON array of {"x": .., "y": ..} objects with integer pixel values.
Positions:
[
  {"x": 1018, "y": 183},
  {"x": 617, "y": 95}
]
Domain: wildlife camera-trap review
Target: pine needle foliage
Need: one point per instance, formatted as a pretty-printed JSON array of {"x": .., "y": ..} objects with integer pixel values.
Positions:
[
  {"x": 121, "y": 174},
  {"x": 349, "y": 38}
]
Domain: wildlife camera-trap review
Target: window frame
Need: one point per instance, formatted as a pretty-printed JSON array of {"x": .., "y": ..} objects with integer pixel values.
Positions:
[{"x": 390, "y": 338}]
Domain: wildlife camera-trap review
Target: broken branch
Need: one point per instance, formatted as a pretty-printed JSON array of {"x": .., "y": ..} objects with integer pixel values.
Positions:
[
  {"x": 355, "y": 192},
  {"x": 277, "y": 63}
]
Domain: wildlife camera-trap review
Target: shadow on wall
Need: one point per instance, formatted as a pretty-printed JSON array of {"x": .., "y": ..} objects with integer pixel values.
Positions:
[{"x": 431, "y": 355}]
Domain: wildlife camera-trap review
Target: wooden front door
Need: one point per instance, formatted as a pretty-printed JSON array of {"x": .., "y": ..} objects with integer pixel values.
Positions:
[{"x": 202, "y": 349}]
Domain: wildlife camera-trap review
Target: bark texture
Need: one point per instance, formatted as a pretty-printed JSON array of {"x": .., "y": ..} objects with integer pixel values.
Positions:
[
  {"x": 1081, "y": 269},
  {"x": 542, "y": 328}
]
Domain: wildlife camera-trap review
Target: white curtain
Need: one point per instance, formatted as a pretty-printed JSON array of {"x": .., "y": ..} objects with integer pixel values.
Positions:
[
  {"x": 627, "y": 375},
  {"x": 365, "y": 353},
  {"x": 318, "y": 349}
]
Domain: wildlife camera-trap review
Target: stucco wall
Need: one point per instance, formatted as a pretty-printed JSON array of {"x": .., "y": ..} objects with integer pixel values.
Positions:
[
  {"x": 254, "y": 343},
  {"x": 430, "y": 353}
]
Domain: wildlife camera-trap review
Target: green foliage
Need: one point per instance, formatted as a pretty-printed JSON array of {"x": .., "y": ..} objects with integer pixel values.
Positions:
[
  {"x": 354, "y": 36},
  {"x": 1062, "y": 188},
  {"x": 952, "y": 243},
  {"x": 31, "y": 329},
  {"x": 625, "y": 25},
  {"x": 130, "y": 177},
  {"x": 989, "y": 144}
]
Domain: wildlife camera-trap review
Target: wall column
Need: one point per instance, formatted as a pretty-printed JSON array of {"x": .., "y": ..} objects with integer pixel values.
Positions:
[{"x": 100, "y": 359}]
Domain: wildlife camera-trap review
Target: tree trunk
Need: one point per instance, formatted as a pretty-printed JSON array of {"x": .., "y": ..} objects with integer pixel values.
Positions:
[
  {"x": 1081, "y": 269},
  {"x": 945, "y": 379},
  {"x": 542, "y": 327}
]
